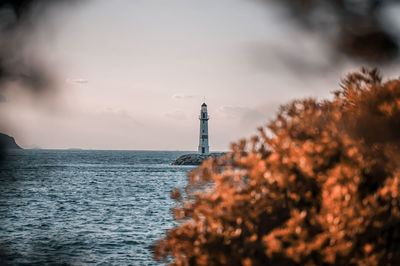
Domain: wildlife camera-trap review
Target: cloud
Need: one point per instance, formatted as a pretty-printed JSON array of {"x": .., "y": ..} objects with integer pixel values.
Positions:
[
  {"x": 245, "y": 116},
  {"x": 309, "y": 58},
  {"x": 182, "y": 96},
  {"x": 117, "y": 115},
  {"x": 176, "y": 114},
  {"x": 77, "y": 81},
  {"x": 230, "y": 111}
]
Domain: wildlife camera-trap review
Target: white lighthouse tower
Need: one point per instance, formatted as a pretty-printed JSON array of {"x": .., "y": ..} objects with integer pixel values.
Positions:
[{"x": 203, "y": 139}]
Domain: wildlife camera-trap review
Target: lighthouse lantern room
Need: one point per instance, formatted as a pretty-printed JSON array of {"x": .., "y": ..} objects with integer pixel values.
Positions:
[{"x": 203, "y": 139}]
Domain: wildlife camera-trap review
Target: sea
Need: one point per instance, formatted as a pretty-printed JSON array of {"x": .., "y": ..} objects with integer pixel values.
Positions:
[{"x": 84, "y": 207}]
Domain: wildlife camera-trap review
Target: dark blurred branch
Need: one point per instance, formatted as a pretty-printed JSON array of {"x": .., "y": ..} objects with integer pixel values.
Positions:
[{"x": 357, "y": 26}]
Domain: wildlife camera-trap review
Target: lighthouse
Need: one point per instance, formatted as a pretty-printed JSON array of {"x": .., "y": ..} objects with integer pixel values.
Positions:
[{"x": 203, "y": 139}]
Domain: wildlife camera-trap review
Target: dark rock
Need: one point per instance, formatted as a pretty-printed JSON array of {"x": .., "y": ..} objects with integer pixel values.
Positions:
[
  {"x": 7, "y": 142},
  {"x": 195, "y": 158}
]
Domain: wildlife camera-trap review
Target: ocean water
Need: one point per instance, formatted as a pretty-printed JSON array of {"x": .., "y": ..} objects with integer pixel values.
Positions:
[{"x": 83, "y": 207}]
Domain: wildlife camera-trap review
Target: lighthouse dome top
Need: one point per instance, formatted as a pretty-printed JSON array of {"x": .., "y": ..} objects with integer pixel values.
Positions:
[{"x": 204, "y": 104}]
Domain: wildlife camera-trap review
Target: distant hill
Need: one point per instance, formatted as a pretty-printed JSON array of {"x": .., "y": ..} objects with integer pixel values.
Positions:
[{"x": 7, "y": 142}]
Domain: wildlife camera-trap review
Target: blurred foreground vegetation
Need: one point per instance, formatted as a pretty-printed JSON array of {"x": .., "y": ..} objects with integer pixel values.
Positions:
[{"x": 319, "y": 185}]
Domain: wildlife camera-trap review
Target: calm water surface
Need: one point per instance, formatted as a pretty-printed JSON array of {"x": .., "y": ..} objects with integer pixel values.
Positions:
[{"x": 86, "y": 207}]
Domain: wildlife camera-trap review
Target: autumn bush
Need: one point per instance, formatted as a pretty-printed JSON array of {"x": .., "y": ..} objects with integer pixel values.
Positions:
[{"x": 319, "y": 185}]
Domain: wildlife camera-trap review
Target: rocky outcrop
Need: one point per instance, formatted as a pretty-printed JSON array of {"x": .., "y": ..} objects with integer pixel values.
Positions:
[
  {"x": 7, "y": 142},
  {"x": 195, "y": 158}
]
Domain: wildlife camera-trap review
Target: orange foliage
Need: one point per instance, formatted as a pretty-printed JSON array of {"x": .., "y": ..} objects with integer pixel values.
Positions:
[{"x": 321, "y": 187}]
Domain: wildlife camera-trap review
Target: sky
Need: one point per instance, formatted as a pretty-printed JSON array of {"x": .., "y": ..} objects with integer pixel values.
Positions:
[{"x": 133, "y": 74}]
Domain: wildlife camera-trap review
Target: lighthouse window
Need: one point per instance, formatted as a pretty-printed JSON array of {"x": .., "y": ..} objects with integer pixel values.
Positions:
[
  {"x": 204, "y": 115},
  {"x": 202, "y": 150}
]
